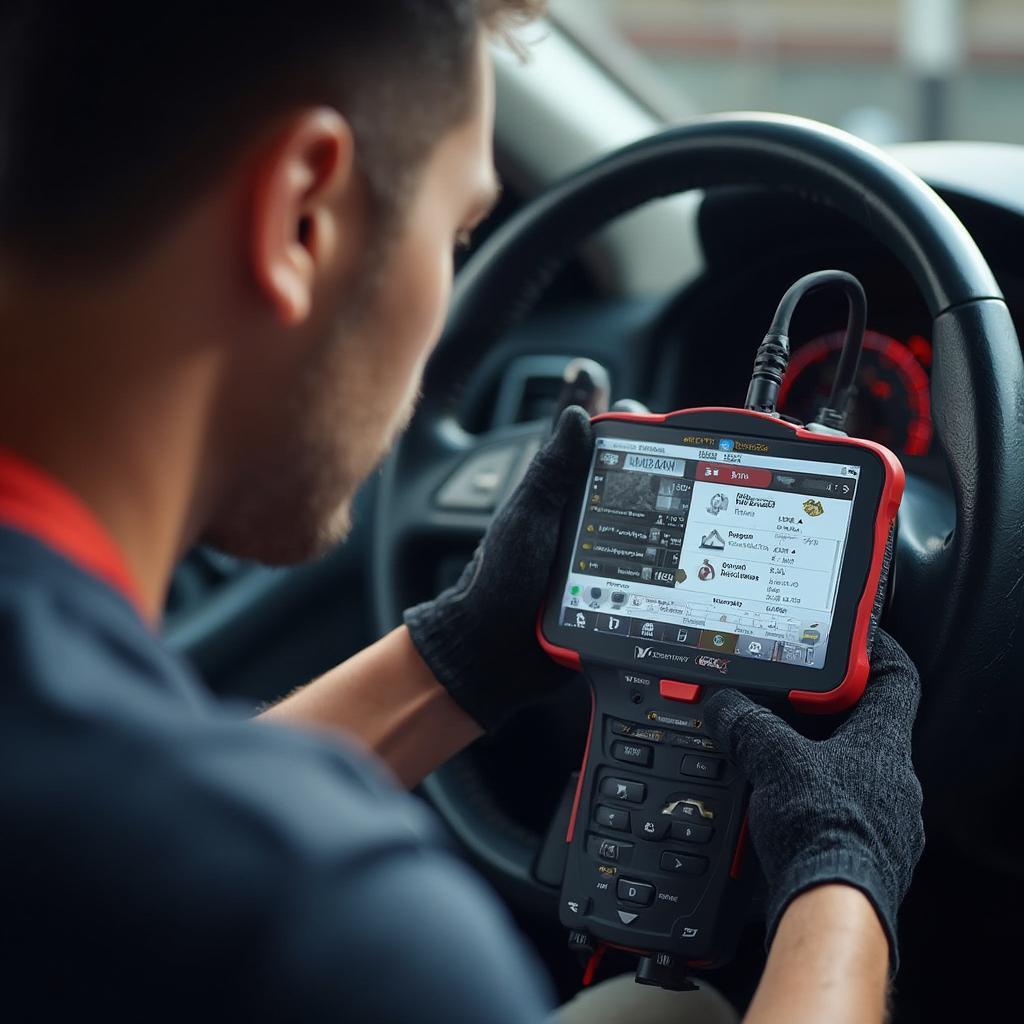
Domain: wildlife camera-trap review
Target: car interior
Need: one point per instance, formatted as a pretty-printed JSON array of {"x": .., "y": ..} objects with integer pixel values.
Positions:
[{"x": 656, "y": 240}]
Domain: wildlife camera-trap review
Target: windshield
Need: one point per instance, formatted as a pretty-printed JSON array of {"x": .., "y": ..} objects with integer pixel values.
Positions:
[{"x": 887, "y": 70}]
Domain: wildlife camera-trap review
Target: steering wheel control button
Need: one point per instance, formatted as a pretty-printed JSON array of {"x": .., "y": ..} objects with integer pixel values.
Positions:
[
  {"x": 613, "y": 818},
  {"x": 682, "y": 864},
  {"x": 626, "y": 917},
  {"x": 652, "y": 826},
  {"x": 639, "y": 893},
  {"x": 689, "y": 832},
  {"x": 623, "y": 789},
  {"x": 610, "y": 849},
  {"x": 639, "y": 732},
  {"x": 480, "y": 481},
  {"x": 688, "y": 693},
  {"x": 633, "y": 753},
  {"x": 688, "y": 807},
  {"x": 702, "y": 767}
]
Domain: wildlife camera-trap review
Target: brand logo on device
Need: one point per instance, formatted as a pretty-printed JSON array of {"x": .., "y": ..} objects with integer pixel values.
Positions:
[
  {"x": 719, "y": 664},
  {"x": 640, "y": 653}
]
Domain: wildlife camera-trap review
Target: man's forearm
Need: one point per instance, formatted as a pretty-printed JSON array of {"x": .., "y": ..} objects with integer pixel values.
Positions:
[
  {"x": 386, "y": 697},
  {"x": 829, "y": 962}
]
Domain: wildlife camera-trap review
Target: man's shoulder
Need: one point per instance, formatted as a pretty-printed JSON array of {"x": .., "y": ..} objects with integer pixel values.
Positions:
[
  {"x": 67, "y": 639},
  {"x": 96, "y": 713}
]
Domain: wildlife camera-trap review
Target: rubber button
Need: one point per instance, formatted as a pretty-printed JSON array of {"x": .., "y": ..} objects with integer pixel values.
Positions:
[
  {"x": 687, "y": 832},
  {"x": 579, "y": 906},
  {"x": 653, "y": 827},
  {"x": 701, "y": 767},
  {"x": 632, "y": 753},
  {"x": 624, "y": 789},
  {"x": 639, "y": 893},
  {"x": 609, "y": 849},
  {"x": 688, "y": 693},
  {"x": 612, "y": 817},
  {"x": 682, "y": 864}
]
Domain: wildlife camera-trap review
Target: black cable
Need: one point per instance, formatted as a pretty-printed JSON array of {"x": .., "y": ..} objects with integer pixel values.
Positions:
[{"x": 772, "y": 358}]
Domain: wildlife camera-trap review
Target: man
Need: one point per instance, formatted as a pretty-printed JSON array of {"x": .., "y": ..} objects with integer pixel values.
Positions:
[{"x": 225, "y": 244}]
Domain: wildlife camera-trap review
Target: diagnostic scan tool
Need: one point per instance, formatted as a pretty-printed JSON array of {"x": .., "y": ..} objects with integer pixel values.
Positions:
[{"x": 709, "y": 547}]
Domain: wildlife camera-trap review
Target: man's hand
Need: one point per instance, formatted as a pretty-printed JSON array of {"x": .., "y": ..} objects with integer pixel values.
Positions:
[
  {"x": 478, "y": 636},
  {"x": 846, "y": 809}
]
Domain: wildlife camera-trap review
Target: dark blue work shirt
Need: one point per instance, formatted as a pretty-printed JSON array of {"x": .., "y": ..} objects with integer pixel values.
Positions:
[{"x": 163, "y": 858}]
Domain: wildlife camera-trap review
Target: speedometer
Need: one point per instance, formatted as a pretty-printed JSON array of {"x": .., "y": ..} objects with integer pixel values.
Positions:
[{"x": 892, "y": 404}]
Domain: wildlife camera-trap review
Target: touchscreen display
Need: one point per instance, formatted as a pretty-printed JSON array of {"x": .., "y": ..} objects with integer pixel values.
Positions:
[{"x": 712, "y": 547}]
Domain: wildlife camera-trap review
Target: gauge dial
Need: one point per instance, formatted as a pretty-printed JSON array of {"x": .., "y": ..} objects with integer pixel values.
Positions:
[{"x": 892, "y": 404}]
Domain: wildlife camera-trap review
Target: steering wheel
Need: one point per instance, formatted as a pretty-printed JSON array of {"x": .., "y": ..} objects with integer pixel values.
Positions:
[{"x": 958, "y": 599}]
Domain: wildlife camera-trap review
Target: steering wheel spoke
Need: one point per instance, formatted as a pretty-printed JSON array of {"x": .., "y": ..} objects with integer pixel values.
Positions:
[{"x": 450, "y": 487}]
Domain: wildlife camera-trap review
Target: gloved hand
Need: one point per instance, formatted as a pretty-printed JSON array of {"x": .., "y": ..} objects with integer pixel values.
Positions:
[
  {"x": 478, "y": 637},
  {"x": 846, "y": 809}
]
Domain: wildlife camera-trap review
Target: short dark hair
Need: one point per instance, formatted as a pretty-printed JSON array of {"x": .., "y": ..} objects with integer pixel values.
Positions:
[{"x": 113, "y": 115}]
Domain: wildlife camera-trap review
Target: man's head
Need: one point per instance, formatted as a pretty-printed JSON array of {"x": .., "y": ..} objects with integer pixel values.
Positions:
[{"x": 315, "y": 162}]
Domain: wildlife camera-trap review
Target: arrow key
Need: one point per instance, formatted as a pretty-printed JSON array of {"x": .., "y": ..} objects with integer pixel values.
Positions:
[{"x": 683, "y": 863}]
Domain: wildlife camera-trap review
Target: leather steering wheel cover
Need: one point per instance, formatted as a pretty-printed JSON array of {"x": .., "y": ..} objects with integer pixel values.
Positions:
[{"x": 978, "y": 394}]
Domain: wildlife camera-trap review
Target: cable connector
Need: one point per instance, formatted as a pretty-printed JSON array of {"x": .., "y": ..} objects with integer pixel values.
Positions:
[
  {"x": 772, "y": 358},
  {"x": 770, "y": 367}
]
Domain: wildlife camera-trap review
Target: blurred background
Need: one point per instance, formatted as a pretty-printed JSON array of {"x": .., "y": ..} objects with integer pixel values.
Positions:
[{"x": 887, "y": 70}]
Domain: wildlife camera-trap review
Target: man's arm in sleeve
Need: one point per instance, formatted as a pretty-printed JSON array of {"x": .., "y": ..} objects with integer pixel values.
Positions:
[{"x": 388, "y": 699}]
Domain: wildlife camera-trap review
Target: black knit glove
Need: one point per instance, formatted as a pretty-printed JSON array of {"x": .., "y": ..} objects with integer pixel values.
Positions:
[
  {"x": 846, "y": 809},
  {"x": 478, "y": 637}
]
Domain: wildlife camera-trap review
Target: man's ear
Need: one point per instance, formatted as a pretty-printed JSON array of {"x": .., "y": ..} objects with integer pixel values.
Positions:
[{"x": 298, "y": 197}]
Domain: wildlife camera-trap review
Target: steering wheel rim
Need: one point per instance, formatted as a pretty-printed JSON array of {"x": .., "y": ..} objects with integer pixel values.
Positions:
[{"x": 977, "y": 389}]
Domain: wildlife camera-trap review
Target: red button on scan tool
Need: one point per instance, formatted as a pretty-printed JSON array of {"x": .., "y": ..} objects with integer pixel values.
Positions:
[{"x": 688, "y": 693}]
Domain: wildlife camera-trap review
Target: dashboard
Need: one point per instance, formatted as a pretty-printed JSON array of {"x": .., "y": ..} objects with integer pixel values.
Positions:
[{"x": 892, "y": 404}]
